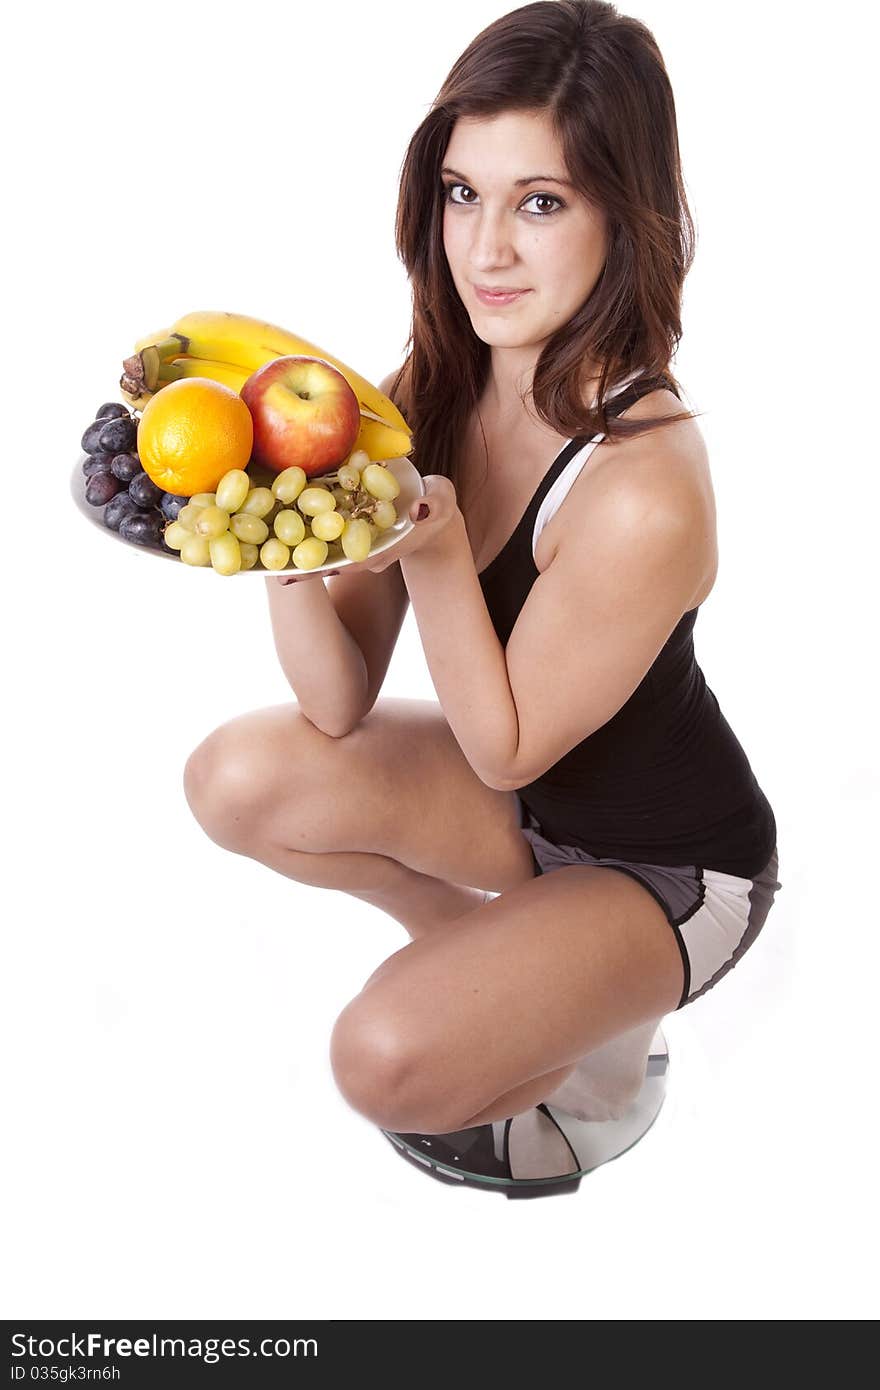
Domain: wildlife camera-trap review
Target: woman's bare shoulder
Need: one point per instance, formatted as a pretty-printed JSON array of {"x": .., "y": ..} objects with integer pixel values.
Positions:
[
  {"x": 667, "y": 466},
  {"x": 681, "y": 434},
  {"x": 670, "y": 464}
]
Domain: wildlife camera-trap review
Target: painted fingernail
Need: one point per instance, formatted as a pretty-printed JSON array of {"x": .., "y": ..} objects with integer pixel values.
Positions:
[{"x": 423, "y": 511}]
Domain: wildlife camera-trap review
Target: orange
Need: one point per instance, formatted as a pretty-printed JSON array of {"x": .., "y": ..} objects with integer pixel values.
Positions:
[{"x": 191, "y": 433}]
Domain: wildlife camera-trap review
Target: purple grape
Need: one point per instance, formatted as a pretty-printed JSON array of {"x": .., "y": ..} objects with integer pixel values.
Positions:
[
  {"x": 91, "y": 439},
  {"x": 144, "y": 528},
  {"x": 118, "y": 436},
  {"x": 111, "y": 410},
  {"x": 100, "y": 488},
  {"x": 118, "y": 508},
  {"x": 172, "y": 505},
  {"x": 96, "y": 463},
  {"x": 125, "y": 467},
  {"x": 144, "y": 491}
]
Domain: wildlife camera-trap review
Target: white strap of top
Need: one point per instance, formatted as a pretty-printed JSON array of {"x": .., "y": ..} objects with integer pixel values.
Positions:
[{"x": 559, "y": 491}]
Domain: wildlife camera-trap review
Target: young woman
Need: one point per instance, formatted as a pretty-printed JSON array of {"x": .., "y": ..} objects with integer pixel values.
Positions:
[{"x": 577, "y": 764}]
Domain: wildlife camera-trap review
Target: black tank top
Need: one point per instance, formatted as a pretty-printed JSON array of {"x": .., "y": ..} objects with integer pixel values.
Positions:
[{"x": 665, "y": 780}]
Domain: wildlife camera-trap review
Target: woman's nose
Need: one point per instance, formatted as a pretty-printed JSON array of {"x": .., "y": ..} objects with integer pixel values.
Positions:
[{"x": 492, "y": 245}]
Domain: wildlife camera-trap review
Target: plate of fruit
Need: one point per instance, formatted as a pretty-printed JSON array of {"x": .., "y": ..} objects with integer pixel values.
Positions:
[{"x": 241, "y": 448}]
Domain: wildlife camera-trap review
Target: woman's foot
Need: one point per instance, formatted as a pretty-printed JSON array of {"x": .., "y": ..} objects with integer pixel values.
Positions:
[
  {"x": 577, "y": 1098},
  {"x": 527, "y": 1155},
  {"x": 606, "y": 1083},
  {"x": 541, "y": 1151}
]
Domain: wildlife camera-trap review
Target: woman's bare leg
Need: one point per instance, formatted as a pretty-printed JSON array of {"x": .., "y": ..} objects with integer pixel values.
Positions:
[
  {"x": 234, "y": 783},
  {"x": 419, "y": 902},
  {"x": 238, "y": 780},
  {"x": 452, "y": 1029}
]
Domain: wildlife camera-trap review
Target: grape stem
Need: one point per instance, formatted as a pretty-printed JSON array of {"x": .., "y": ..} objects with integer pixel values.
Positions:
[{"x": 363, "y": 502}]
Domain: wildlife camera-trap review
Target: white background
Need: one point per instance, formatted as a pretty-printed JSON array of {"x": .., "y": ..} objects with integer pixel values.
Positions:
[{"x": 176, "y": 1145}]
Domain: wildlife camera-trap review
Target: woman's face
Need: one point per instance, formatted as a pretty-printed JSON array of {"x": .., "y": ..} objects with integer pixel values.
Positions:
[{"x": 541, "y": 236}]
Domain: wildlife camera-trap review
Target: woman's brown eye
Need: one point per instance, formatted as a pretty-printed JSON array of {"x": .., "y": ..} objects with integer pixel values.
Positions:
[{"x": 544, "y": 198}]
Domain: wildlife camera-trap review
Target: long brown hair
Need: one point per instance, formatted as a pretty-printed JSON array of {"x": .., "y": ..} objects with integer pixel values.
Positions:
[{"x": 601, "y": 78}]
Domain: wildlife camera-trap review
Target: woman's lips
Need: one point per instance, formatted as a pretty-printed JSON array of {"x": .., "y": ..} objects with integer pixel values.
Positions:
[{"x": 486, "y": 297}]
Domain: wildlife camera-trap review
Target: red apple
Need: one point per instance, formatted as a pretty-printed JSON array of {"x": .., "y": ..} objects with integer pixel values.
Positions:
[{"x": 304, "y": 413}]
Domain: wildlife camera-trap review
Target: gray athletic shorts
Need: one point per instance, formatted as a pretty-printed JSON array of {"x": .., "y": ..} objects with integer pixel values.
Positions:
[{"x": 715, "y": 917}]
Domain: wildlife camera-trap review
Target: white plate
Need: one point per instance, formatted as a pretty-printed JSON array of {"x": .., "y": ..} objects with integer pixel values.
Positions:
[{"x": 411, "y": 487}]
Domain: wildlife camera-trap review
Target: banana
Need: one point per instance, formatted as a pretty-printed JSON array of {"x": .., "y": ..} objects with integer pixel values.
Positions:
[
  {"x": 242, "y": 341},
  {"x": 135, "y": 400},
  {"x": 382, "y": 442},
  {"x": 156, "y": 337},
  {"x": 176, "y": 368}
]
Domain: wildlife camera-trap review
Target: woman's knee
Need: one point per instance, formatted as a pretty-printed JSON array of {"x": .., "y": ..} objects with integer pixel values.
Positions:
[
  {"x": 227, "y": 782},
  {"x": 373, "y": 1065}
]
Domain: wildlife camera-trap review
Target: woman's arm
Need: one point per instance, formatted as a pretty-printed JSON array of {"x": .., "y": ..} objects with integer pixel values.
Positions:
[
  {"x": 465, "y": 658},
  {"x": 323, "y": 663},
  {"x": 592, "y": 626},
  {"x": 335, "y": 641}
]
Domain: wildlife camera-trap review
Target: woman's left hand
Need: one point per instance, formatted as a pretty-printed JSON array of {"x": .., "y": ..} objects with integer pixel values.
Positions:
[{"x": 429, "y": 531}]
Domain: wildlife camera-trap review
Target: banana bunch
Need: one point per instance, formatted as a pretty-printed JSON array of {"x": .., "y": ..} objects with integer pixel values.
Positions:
[{"x": 229, "y": 347}]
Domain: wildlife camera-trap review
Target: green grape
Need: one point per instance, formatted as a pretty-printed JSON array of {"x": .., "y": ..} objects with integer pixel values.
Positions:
[
  {"x": 274, "y": 554},
  {"x": 259, "y": 502},
  {"x": 289, "y": 484},
  {"x": 380, "y": 482},
  {"x": 204, "y": 499},
  {"x": 289, "y": 527},
  {"x": 249, "y": 554},
  {"x": 356, "y": 539},
  {"x": 270, "y": 516},
  {"x": 310, "y": 553},
  {"x": 313, "y": 500},
  {"x": 340, "y": 496},
  {"x": 188, "y": 516},
  {"x": 349, "y": 477},
  {"x": 232, "y": 489},
  {"x": 225, "y": 553},
  {"x": 359, "y": 459},
  {"x": 247, "y": 527},
  {"x": 175, "y": 535},
  {"x": 384, "y": 515},
  {"x": 328, "y": 526},
  {"x": 195, "y": 550},
  {"x": 212, "y": 521}
]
